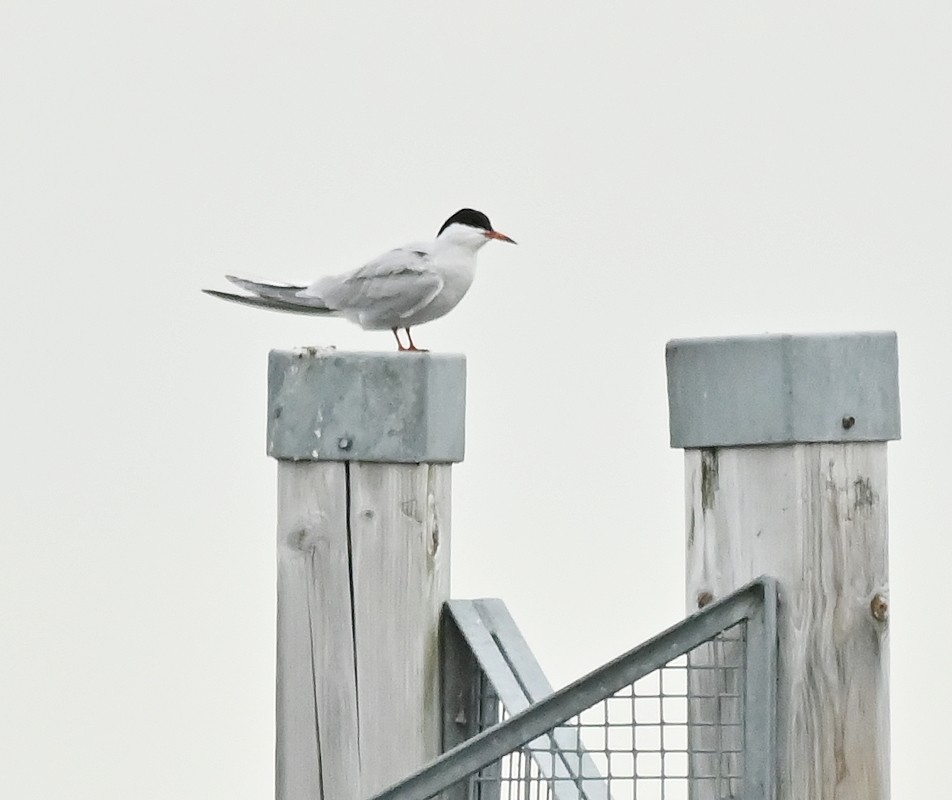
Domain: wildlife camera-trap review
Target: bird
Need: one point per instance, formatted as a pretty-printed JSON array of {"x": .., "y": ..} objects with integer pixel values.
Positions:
[{"x": 400, "y": 289}]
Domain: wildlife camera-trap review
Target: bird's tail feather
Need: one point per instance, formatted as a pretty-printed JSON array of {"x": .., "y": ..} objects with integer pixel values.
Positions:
[
  {"x": 274, "y": 291},
  {"x": 273, "y": 303}
]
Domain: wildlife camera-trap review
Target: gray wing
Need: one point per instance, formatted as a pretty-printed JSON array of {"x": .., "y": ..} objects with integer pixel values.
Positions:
[{"x": 394, "y": 286}]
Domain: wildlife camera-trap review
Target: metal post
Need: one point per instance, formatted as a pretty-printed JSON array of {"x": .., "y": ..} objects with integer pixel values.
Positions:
[
  {"x": 364, "y": 443},
  {"x": 785, "y": 470}
]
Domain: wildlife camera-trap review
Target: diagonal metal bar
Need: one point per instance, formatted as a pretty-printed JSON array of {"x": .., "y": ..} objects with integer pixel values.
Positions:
[
  {"x": 519, "y": 681},
  {"x": 564, "y": 741},
  {"x": 537, "y": 719}
]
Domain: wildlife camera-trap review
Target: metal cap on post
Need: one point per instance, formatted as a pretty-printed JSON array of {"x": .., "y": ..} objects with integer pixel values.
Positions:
[
  {"x": 785, "y": 475},
  {"x": 397, "y": 408},
  {"x": 781, "y": 389},
  {"x": 365, "y": 443}
]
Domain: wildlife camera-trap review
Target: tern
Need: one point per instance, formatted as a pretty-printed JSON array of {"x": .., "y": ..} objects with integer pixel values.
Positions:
[{"x": 400, "y": 289}]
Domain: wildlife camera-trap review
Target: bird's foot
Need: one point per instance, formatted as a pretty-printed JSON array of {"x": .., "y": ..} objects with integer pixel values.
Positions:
[{"x": 413, "y": 348}]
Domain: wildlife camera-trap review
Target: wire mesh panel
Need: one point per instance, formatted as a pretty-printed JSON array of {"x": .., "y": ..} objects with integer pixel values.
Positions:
[
  {"x": 688, "y": 715},
  {"x": 674, "y": 734}
]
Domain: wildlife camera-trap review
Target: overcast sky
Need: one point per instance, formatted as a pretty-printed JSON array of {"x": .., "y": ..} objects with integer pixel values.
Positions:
[{"x": 669, "y": 170}]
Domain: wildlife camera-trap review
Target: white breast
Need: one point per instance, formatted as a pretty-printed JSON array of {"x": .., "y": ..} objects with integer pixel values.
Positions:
[{"x": 457, "y": 270}]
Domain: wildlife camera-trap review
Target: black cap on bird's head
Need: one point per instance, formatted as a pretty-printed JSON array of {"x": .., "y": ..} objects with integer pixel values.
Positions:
[{"x": 474, "y": 219}]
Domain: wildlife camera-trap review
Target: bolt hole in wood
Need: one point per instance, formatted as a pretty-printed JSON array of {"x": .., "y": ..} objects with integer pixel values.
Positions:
[{"x": 879, "y": 607}]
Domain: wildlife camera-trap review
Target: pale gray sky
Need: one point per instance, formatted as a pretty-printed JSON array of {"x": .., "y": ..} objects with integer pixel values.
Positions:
[{"x": 672, "y": 169}]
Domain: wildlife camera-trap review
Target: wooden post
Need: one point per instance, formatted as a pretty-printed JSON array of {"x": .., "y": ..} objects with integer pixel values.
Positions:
[
  {"x": 785, "y": 474},
  {"x": 364, "y": 443}
]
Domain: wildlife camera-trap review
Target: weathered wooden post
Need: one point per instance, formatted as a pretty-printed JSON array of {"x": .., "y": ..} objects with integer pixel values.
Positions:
[
  {"x": 364, "y": 443},
  {"x": 785, "y": 473}
]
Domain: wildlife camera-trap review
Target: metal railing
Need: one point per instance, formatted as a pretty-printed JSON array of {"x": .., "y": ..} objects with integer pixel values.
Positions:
[
  {"x": 507, "y": 680},
  {"x": 687, "y": 714}
]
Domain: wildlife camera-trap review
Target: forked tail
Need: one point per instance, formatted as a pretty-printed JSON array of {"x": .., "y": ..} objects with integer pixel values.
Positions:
[{"x": 273, "y": 296}]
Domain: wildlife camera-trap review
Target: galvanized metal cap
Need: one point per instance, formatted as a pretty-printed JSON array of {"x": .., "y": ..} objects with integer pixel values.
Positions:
[
  {"x": 783, "y": 389},
  {"x": 398, "y": 408}
]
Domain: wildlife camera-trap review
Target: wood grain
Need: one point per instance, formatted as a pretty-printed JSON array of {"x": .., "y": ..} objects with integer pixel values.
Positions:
[
  {"x": 815, "y": 517},
  {"x": 363, "y": 572},
  {"x": 316, "y": 747},
  {"x": 400, "y": 545}
]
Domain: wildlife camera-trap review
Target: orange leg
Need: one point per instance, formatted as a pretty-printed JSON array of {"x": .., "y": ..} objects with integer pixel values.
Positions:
[
  {"x": 400, "y": 347},
  {"x": 413, "y": 348}
]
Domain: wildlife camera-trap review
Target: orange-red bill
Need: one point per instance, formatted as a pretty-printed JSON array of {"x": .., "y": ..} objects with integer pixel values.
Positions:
[{"x": 500, "y": 236}]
